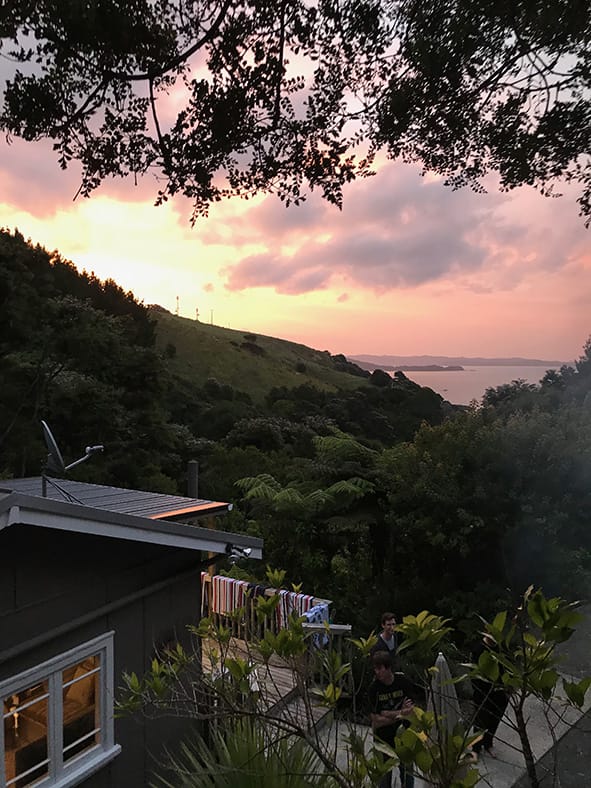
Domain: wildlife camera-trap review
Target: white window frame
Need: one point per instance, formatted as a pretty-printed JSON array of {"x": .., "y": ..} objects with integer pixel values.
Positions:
[{"x": 74, "y": 771}]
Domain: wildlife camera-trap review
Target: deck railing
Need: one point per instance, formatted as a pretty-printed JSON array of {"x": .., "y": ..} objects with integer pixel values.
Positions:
[
  {"x": 328, "y": 644},
  {"x": 329, "y": 647}
]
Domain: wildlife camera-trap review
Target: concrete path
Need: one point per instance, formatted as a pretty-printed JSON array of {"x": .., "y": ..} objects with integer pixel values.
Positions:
[
  {"x": 545, "y": 730},
  {"x": 567, "y": 751},
  {"x": 570, "y": 757}
]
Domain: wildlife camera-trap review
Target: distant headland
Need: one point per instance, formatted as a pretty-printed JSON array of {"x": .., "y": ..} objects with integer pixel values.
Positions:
[
  {"x": 428, "y": 368},
  {"x": 445, "y": 363}
]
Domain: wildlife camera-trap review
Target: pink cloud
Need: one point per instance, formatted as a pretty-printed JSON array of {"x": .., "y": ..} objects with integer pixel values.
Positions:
[
  {"x": 277, "y": 272},
  {"x": 398, "y": 230},
  {"x": 33, "y": 180},
  {"x": 407, "y": 258}
]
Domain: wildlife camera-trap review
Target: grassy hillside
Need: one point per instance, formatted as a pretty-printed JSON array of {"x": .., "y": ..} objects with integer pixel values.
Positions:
[
  {"x": 248, "y": 362},
  {"x": 80, "y": 354}
]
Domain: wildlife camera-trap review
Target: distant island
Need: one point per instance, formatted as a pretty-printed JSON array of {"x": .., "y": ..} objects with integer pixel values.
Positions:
[
  {"x": 426, "y": 368},
  {"x": 446, "y": 363}
]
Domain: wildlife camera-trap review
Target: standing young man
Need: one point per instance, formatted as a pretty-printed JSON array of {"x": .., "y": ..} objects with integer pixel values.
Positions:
[
  {"x": 490, "y": 702},
  {"x": 387, "y": 639},
  {"x": 390, "y": 704}
]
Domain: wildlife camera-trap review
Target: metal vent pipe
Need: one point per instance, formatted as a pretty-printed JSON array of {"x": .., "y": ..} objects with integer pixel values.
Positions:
[{"x": 193, "y": 479}]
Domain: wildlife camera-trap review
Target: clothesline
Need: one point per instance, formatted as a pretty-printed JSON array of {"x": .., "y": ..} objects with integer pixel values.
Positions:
[{"x": 224, "y": 595}]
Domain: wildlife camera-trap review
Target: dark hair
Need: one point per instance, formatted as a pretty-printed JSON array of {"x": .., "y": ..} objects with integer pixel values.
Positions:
[
  {"x": 387, "y": 616},
  {"x": 382, "y": 659}
]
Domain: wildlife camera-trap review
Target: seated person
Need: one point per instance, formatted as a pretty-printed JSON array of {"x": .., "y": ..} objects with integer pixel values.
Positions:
[{"x": 390, "y": 704}]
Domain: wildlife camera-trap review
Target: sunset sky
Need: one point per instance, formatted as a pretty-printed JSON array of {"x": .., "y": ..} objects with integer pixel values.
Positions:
[{"x": 408, "y": 267}]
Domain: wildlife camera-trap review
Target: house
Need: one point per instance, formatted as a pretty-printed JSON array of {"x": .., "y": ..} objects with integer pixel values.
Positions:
[{"x": 94, "y": 580}]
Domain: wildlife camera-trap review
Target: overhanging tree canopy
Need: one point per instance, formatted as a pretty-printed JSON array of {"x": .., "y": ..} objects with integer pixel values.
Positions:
[{"x": 223, "y": 98}]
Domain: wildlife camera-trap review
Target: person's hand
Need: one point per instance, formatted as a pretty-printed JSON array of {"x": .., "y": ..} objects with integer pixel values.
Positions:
[{"x": 407, "y": 707}]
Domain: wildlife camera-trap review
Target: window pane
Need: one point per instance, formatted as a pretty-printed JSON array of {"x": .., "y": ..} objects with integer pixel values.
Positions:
[
  {"x": 25, "y": 735},
  {"x": 81, "y": 710}
]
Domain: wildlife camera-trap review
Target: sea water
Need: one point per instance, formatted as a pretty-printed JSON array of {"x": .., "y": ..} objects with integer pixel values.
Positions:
[{"x": 461, "y": 387}]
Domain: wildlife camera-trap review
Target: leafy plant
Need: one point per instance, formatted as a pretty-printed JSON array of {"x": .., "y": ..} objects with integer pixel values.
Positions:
[
  {"x": 243, "y": 754},
  {"x": 523, "y": 658}
]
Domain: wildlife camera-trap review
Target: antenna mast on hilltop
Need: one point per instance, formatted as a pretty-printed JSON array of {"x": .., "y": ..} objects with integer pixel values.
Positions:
[{"x": 177, "y": 306}]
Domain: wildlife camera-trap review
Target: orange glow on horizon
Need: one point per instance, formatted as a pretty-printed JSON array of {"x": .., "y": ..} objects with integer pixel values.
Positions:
[{"x": 367, "y": 280}]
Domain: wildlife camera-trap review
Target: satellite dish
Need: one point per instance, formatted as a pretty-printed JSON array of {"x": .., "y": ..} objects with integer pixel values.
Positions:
[{"x": 55, "y": 461}]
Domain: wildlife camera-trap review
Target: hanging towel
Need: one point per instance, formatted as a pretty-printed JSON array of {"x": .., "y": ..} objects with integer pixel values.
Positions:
[{"x": 318, "y": 615}]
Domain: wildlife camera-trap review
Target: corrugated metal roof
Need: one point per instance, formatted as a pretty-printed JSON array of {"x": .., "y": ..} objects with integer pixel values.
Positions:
[
  {"x": 18, "y": 509},
  {"x": 140, "y": 503}
]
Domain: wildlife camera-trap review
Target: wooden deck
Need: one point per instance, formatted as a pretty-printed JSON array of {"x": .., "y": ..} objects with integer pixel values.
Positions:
[{"x": 276, "y": 681}]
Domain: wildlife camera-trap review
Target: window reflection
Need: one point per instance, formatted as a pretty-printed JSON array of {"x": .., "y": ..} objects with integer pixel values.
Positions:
[
  {"x": 25, "y": 735},
  {"x": 26, "y": 715},
  {"x": 81, "y": 706}
]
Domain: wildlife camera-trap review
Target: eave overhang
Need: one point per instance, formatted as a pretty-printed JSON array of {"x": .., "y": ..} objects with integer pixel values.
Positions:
[{"x": 21, "y": 510}]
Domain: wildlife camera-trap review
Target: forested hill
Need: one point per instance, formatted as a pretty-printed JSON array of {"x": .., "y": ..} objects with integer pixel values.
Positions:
[
  {"x": 364, "y": 488},
  {"x": 155, "y": 388}
]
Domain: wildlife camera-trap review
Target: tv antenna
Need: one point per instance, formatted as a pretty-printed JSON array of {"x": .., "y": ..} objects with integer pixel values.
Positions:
[{"x": 55, "y": 462}]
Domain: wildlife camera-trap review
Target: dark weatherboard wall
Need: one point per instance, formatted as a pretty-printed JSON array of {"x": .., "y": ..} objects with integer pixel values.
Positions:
[{"x": 60, "y": 589}]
